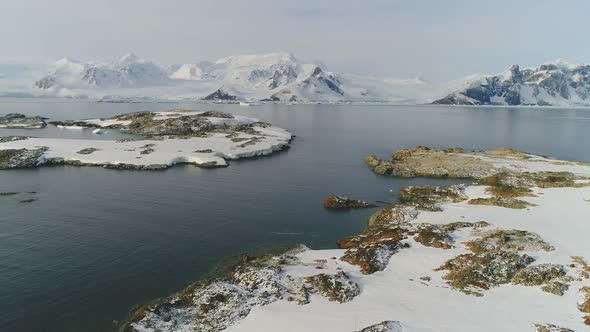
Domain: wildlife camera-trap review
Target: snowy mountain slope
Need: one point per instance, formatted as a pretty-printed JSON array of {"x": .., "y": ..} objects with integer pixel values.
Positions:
[
  {"x": 557, "y": 84},
  {"x": 279, "y": 77},
  {"x": 282, "y": 77},
  {"x": 126, "y": 72}
]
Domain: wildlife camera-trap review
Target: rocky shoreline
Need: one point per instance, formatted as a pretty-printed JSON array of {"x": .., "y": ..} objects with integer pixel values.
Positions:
[
  {"x": 205, "y": 139},
  {"x": 464, "y": 250}
]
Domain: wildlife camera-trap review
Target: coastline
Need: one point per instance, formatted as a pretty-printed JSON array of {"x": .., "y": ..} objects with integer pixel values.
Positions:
[{"x": 257, "y": 103}]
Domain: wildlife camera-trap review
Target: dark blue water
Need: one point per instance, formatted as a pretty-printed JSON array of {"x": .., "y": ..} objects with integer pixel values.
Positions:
[{"x": 95, "y": 242}]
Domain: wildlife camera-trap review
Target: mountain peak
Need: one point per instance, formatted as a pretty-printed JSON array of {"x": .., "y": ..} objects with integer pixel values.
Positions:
[{"x": 130, "y": 58}]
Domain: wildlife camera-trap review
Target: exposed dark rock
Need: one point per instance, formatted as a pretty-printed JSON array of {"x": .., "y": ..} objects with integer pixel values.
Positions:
[
  {"x": 45, "y": 83},
  {"x": 341, "y": 202},
  {"x": 220, "y": 95},
  {"x": 30, "y": 200},
  {"x": 385, "y": 326},
  {"x": 73, "y": 123},
  {"x": 20, "y": 158},
  {"x": 87, "y": 151},
  {"x": 216, "y": 114}
]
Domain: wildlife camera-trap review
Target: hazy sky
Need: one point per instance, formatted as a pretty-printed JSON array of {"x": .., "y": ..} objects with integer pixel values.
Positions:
[{"x": 434, "y": 39}]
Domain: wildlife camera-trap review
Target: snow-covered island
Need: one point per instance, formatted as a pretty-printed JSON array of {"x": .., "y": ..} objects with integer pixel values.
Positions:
[
  {"x": 508, "y": 251},
  {"x": 161, "y": 139}
]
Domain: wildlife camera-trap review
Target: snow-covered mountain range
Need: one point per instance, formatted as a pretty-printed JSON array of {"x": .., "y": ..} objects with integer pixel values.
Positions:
[
  {"x": 282, "y": 77},
  {"x": 278, "y": 77},
  {"x": 555, "y": 84}
]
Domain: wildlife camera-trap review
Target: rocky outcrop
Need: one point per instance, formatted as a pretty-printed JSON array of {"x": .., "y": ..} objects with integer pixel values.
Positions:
[
  {"x": 87, "y": 151},
  {"x": 429, "y": 198},
  {"x": 550, "y": 84},
  {"x": 20, "y": 158},
  {"x": 385, "y": 326},
  {"x": 335, "y": 287},
  {"x": 343, "y": 203},
  {"x": 498, "y": 258},
  {"x": 220, "y": 95},
  {"x": 150, "y": 124},
  {"x": 551, "y": 328},
  {"x": 215, "y": 304},
  {"x": 20, "y": 121}
]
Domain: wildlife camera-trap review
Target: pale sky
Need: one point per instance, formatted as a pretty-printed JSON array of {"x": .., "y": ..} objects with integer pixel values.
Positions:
[{"x": 433, "y": 39}]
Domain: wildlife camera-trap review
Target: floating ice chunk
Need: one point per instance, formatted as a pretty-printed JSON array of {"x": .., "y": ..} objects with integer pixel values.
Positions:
[{"x": 99, "y": 131}]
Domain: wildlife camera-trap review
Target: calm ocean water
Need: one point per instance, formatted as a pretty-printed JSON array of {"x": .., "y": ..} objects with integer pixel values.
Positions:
[{"x": 95, "y": 242}]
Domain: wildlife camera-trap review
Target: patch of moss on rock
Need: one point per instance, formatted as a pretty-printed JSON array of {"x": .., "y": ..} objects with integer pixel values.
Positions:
[
  {"x": 426, "y": 162},
  {"x": 428, "y": 197},
  {"x": 344, "y": 203},
  {"x": 507, "y": 153},
  {"x": 373, "y": 247},
  {"x": 472, "y": 273},
  {"x": 509, "y": 240},
  {"x": 505, "y": 202},
  {"x": 508, "y": 184},
  {"x": 584, "y": 304},
  {"x": 496, "y": 259},
  {"x": 372, "y": 258},
  {"x": 551, "y": 276},
  {"x": 551, "y": 328},
  {"x": 558, "y": 180},
  {"x": 583, "y": 267},
  {"x": 432, "y": 236},
  {"x": 393, "y": 214},
  {"x": 336, "y": 287},
  {"x": 385, "y": 326}
]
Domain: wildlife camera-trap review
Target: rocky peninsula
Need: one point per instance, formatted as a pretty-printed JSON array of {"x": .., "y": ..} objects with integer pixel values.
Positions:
[
  {"x": 511, "y": 242},
  {"x": 160, "y": 140}
]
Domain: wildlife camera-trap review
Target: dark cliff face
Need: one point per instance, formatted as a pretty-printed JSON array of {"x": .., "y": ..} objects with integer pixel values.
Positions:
[
  {"x": 526, "y": 87},
  {"x": 220, "y": 94},
  {"x": 45, "y": 83}
]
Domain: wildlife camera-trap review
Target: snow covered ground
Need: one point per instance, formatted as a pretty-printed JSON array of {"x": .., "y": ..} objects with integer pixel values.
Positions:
[
  {"x": 398, "y": 293},
  {"x": 416, "y": 289}
]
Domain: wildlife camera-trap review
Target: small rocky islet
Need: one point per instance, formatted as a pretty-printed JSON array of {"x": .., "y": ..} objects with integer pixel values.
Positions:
[
  {"x": 159, "y": 140},
  {"x": 338, "y": 202},
  {"x": 21, "y": 121},
  {"x": 471, "y": 256}
]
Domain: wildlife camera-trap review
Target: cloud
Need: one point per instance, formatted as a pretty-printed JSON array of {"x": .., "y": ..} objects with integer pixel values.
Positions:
[{"x": 430, "y": 38}]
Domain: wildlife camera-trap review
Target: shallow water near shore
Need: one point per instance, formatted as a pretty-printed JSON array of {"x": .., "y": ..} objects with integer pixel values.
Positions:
[{"x": 95, "y": 242}]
